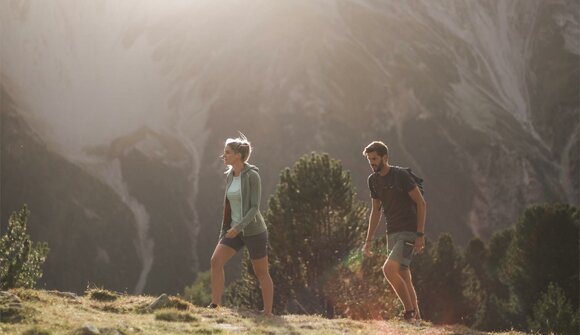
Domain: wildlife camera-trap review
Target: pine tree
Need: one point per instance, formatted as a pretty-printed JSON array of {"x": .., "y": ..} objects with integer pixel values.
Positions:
[
  {"x": 485, "y": 285},
  {"x": 441, "y": 282},
  {"x": 477, "y": 288},
  {"x": 544, "y": 250},
  {"x": 553, "y": 313},
  {"x": 20, "y": 259},
  {"x": 498, "y": 247},
  {"x": 490, "y": 294},
  {"x": 314, "y": 222}
]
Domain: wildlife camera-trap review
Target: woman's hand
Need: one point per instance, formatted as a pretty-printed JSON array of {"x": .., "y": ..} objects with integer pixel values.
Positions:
[
  {"x": 232, "y": 233},
  {"x": 367, "y": 249}
]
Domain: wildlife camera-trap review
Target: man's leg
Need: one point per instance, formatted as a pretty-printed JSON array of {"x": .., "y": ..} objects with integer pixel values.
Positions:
[
  {"x": 392, "y": 272},
  {"x": 406, "y": 274}
]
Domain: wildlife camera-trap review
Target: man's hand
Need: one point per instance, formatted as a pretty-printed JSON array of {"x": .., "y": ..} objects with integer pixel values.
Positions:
[
  {"x": 419, "y": 244},
  {"x": 367, "y": 248},
  {"x": 232, "y": 233}
]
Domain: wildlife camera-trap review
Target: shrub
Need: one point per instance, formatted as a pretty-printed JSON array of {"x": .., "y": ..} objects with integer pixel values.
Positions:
[
  {"x": 358, "y": 288},
  {"x": 199, "y": 293},
  {"x": 544, "y": 250},
  {"x": 20, "y": 259},
  {"x": 553, "y": 313}
]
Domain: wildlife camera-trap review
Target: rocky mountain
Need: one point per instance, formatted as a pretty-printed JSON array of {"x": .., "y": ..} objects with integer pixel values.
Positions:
[
  {"x": 87, "y": 227},
  {"x": 137, "y": 97}
]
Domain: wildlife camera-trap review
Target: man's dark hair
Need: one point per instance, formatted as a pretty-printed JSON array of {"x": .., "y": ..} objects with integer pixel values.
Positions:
[{"x": 377, "y": 146}]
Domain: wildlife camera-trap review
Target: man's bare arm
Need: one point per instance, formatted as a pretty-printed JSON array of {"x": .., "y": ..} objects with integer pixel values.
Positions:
[
  {"x": 374, "y": 219},
  {"x": 417, "y": 197}
]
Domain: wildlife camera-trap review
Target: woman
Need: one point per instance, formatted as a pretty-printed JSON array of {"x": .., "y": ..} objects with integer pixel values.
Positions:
[{"x": 243, "y": 224}]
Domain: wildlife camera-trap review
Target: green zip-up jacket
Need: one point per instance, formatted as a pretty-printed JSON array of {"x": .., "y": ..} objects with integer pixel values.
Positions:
[{"x": 252, "y": 222}]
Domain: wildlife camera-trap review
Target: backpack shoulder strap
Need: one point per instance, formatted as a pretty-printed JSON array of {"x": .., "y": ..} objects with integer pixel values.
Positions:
[{"x": 418, "y": 180}]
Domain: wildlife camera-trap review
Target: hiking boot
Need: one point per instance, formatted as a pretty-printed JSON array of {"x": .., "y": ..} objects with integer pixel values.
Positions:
[{"x": 212, "y": 305}]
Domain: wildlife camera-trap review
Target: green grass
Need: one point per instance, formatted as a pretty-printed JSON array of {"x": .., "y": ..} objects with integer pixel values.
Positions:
[{"x": 45, "y": 313}]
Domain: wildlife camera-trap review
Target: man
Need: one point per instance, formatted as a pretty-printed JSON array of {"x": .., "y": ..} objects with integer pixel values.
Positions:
[{"x": 394, "y": 190}]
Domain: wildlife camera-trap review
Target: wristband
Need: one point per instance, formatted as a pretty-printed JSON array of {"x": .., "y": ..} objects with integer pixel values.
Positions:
[{"x": 420, "y": 234}]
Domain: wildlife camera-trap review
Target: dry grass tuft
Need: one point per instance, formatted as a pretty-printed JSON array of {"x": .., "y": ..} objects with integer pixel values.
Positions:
[
  {"x": 174, "y": 315},
  {"x": 101, "y": 294}
]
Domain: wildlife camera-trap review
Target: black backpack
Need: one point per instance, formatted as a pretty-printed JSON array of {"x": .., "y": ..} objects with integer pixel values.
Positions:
[
  {"x": 418, "y": 180},
  {"x": 398, "y": 170}
]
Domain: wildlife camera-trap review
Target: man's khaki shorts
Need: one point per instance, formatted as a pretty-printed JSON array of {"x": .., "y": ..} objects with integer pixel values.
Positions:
[{"x": 401, "y": 247}]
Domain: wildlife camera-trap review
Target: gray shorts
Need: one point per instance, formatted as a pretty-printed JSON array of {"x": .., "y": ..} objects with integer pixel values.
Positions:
[
  {"x": 401, "y": 247},
  {"x": 257, "y": 244}
]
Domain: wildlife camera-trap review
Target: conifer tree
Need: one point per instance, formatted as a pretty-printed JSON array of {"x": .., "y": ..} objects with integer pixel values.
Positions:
[
  {"x": 440, "y": 283},
  {"x": 487, "y": 289},
  {"x": 20, "y": 258},
  {"x": 313, "y": 222},
  {"x": 544, "y": 250},
  {"x": 553, "y": 313}
]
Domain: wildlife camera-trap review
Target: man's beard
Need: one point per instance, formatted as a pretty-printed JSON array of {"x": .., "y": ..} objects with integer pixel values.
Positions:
[{"x": 380, "y": 166}]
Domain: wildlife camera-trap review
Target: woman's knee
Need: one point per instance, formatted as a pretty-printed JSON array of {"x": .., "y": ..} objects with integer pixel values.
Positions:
[
  {"x": 217, "y": 262},
  {"x": 262, "y": 275},
  {"x": 261, "y": 271},
  {"x": 390, "y": 269}
]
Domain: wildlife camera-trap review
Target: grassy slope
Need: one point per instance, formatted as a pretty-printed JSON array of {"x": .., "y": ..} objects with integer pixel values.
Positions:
[{"x": 45, "y": 311}]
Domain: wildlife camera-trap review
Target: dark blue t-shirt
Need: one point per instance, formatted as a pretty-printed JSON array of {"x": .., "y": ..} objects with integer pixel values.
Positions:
[{"x": 393, "y": 190}]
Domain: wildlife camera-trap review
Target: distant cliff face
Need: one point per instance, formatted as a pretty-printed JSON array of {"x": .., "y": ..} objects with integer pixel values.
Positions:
[
  {"x": 89, "y": 231},
  {"x": 99, "y": 232},
  {"x": 479, "y": 98}
]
